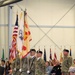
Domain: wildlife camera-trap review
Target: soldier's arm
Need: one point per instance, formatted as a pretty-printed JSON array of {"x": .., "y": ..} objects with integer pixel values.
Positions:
[
  {"x": 43, "y": 68},
  {"x": 70, "y": 61},
  {"x": 17, "y": 63},
  {"x": 13, "y": 64},
  {"x": 24, "y": 64},
  {"x": 21, "y": 63}
]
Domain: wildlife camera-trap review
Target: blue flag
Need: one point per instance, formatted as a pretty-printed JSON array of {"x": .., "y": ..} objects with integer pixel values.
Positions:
[{"x": 44, "y": 55}]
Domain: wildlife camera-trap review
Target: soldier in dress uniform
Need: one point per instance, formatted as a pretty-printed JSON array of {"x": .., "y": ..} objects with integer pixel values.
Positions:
[
  {"x": 66, "y": 63},
  {"x": 40, "y": 64},
  {"x": 28, "y": 67},
  {"x": 16, "y": 65}
]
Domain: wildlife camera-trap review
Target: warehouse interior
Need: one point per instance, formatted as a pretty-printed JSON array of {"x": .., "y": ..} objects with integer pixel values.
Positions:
[{"x": 51, "y": 22}]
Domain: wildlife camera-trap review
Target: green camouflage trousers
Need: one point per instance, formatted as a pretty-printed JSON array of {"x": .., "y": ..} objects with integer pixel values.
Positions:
[{"x": 65, "y": 73}]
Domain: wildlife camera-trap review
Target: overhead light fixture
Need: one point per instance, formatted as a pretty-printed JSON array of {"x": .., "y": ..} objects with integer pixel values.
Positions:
[{"x": 7, "y": 2}]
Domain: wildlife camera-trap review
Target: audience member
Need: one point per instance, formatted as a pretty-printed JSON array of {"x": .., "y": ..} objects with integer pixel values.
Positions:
[
  {"x": 3, "y": 63},
  {"x": 72, "y": 68},
  {"x": 48, "y": 68},
  {"x": 1, "y": 70},
  {"x": 7, "y": 68},
  {"x": 56, "y": 68}
]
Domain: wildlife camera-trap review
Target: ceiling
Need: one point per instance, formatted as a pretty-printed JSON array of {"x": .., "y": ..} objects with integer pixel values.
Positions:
[{"x": 47, "y": 11}]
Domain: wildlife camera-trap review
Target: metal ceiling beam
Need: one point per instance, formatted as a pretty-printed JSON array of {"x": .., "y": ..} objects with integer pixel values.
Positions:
[{"x": 44, "y": 26}]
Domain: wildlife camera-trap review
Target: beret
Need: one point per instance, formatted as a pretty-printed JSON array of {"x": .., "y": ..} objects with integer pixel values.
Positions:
[
  {"x": 32, "y": 50},
  {"x": 39, "y": 51},
  {"x": 3, "y": 60},
  {"x": 66, "y": 50}
]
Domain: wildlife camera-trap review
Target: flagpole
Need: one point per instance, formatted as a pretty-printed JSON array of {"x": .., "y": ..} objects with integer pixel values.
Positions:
[{"x": 9, "y": 27}]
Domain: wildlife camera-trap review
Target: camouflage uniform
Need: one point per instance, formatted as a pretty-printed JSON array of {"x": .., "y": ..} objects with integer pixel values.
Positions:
[
  {"x": 40, "y": 67},
  {"x": 67, "y": 62},
  {"x": 24, "y": 66},
  {"x": 28, "y": 64},
  {"x": 16, "y": 65}
]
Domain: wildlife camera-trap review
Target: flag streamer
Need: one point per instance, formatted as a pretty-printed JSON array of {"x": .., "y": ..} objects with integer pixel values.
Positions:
[
  {"x": 50, "y": 54},
  {"x": 3, "y": 54},
  {"x": 44, "y": 54}
]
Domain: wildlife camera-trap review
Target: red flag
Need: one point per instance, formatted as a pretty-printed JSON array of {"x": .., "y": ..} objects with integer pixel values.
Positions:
[
  {"x": 26, "y": 38},
  {"x": 14, "y": 41},
  {"x": 55, "y": 56},
  {"x": 50, "y": 54}
]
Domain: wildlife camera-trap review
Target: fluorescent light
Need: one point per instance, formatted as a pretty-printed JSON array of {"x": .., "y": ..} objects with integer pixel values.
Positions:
[{"x": 7, "y": 2}]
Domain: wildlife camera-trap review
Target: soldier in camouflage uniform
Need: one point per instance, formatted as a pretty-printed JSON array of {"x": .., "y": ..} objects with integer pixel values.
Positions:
[
  {"x": 66, "y": 63},
  {"x": 28, "y": 67},
  {"x": 40, "y": 64},
  {"x": 16, "y": 65}
]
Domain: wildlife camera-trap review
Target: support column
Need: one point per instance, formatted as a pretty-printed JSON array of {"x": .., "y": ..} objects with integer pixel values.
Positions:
[{"x": 9, "y": 28}]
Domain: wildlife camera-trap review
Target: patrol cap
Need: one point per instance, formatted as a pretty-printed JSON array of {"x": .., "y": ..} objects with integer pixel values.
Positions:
[
  {"x": 65, "y": 50},
  {"x": 32, "y": 50},
  {"x": 39, "y": 51}
]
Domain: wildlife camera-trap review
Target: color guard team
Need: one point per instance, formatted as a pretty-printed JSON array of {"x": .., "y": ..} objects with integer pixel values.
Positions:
[{"x": 35, "y": 65}]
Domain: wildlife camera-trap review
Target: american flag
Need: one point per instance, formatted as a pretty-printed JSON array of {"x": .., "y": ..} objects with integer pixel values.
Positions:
[{"x": 14, "y": 40}]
